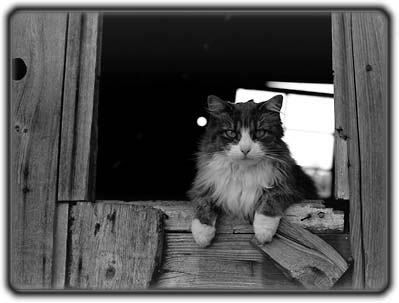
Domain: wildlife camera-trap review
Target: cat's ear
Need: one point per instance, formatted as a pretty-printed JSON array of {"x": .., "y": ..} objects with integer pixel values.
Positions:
[
  {"x": 216, "y": 105},
  {"x": 274, "y": 104}
]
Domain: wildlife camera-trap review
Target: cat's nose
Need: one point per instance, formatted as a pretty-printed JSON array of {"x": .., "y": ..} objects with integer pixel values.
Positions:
[{"x": 245, "y": 150}]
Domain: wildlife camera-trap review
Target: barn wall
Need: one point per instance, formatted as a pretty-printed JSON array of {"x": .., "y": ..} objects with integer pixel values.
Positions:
[
  {"x": 360, "y": 60},
  {"x": 39, "y": 40},
  {"x": 51, "y": 160}
]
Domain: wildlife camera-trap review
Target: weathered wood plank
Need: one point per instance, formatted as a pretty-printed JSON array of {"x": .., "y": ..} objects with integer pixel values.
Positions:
[
  {"x": 60, "y": 245},
  {"x": 231, "y": 262},
  {"x": 370, "y": 48},
  {"x": 295, "y": 232},
  {"x": 312, "y": 215},
  {"x": 304, "y": 256},
  {"x": 345, "y": 102},
  {"x": 344, "y": 93},
  {"x": 79, "y": 115},
  {"x": 315, "y": 217},
  {"x": 341, "y": 166},
  {"x": 39, "y": 40},
  {"x": 113, "y": 246}
]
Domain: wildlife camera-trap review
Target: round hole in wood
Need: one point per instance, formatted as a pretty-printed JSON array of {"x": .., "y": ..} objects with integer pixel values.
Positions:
[{"x": 18, "y": 69}]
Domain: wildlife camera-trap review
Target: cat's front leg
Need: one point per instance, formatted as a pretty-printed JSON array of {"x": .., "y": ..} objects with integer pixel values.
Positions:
[
  {"x": 269, "y": 210},
  {"x": 203, "y": 225},
  {"x": 265, "y": 227}
]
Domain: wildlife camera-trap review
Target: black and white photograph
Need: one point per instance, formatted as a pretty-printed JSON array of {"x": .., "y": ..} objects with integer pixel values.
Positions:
[{"x": 203, "y": 150}]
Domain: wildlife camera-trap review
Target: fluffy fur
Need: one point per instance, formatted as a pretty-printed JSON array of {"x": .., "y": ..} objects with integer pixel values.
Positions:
[
  {"x": 236, "y": 186},
  {"x": 202, "y": 233},
  {"x": 245, "y": 168},
  {"x": 265, "y": 227}
]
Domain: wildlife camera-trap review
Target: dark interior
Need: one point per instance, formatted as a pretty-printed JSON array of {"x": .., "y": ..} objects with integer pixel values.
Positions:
[{"x": 157, "y": 71}]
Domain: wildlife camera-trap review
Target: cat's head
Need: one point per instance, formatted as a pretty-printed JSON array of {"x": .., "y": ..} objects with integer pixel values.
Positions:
[{"x": 244, "y": 132}]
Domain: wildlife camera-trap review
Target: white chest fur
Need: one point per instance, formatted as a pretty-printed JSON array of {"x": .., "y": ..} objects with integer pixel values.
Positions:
[{"x": 237, "y": 186}]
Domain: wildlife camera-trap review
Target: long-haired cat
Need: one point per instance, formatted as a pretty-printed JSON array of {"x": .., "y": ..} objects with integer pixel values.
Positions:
[{"x": 245, "y": 168}]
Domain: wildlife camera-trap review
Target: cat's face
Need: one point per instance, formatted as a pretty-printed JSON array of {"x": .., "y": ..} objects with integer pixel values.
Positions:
[{"x": 244, "y": 132}]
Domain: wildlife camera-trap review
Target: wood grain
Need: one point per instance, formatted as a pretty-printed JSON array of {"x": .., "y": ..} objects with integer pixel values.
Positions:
[
  {"x": 341, "y": 161},
  {"x": 39, "y": 40},
  {"x": 79, "y": 115},
  {"x": 312, "y": 215},
  {"x": 304, "y": 257},
  {"x": 231, "y": 262},
  {"x": 370, "y": 48},
  {"x": 60, "y": 245},
  {"x": 360, "y": 51},
  {"x": 346, "y": 109},
  {"x": 113, "y": 246},
  {"x": 344, "y": 94}
]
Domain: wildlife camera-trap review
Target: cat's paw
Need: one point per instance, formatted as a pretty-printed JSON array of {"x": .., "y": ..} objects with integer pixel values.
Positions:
[
  {"x": 202, "y": 233},
  {"x": 265, "y": 227}
]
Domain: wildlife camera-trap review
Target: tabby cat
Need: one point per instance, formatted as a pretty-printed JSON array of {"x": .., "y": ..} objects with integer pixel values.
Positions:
[{"x": 245, "y": 168}]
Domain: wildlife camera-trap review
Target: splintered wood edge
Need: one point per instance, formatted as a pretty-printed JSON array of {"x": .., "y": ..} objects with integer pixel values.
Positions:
[
  {"x": 300, "y": 263},
  {"x": 308, "y": 244},
  {"x": 304, "y": 237},
  {"x": 311, "y": 215}
]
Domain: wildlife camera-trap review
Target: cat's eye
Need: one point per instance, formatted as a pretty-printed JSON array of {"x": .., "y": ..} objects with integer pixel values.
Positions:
[
  {"x": 230, "y": 133},
  {"x": 260, "y": 133}
]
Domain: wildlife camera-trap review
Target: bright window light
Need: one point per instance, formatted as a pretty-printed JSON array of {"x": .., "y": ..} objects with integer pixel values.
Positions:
[
  {"x": 308, "y": 87},
  {"x": 309, "y": 113},
  {"x": 312, "y": 150}
]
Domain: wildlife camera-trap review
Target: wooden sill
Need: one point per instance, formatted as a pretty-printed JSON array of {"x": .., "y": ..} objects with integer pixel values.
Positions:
[{"x": 311, "y": 215}]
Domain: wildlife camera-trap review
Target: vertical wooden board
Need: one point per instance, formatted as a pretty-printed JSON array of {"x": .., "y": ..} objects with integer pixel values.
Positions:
[
  {"x": 79, "y": 116},
  {"x": 39, "y": 40},
  {"x": 113, "y": 246},
  {"x": 343, "y": 94},
  {"x": 341, "y": 162},
  {"x": 60, "y": 245},
  {"x": 346, "y": 120},
  {"x": 370, "y": 48}
]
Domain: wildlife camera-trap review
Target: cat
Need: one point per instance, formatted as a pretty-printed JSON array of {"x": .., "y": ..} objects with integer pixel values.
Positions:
[{"x": 245, "y": 168}]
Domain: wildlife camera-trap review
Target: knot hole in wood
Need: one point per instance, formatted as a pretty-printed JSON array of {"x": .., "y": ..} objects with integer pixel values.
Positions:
[{"x": 19, "y": 69}]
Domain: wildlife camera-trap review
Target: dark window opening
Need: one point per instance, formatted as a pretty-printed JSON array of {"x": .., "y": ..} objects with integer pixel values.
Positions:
[{"x": 157, "y": 71}]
